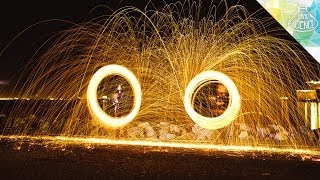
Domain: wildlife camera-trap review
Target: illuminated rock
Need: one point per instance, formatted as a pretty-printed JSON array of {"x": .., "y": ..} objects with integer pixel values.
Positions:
[
  {"x": 263, "y": 132},
  {"x": 136, "y": 132},
  {"x": 279, "y": 133},
  {"x": 201, "y": 133},
  {"x": 148, "y": 129},
  {"x": 166, "y": 136},
  {"x": 243, "y": 135}
]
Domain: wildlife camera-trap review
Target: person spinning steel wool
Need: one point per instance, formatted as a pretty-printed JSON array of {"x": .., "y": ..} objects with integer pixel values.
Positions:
[
  {"x": 116, "y": 100},
  {"x": 221, "y": 100}
]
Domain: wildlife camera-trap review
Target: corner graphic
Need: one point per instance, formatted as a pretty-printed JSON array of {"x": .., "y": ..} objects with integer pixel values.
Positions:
[{"x": 300, "y": 18}]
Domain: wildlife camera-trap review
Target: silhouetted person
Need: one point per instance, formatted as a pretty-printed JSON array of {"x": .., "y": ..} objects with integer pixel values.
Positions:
[
  {"x": 116, "y": 100},
  {"x": 221, "y": 100}
]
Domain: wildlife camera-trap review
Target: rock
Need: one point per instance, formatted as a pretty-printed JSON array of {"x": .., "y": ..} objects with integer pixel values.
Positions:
[
  {"x": 280, "y": 136},
  {"x": 174, "y": 129},
  {"x": 279, "y": 133},
  {"x": 164, "y": 126},
  {"x": 135, "y": 132},
  {"x": 243, "y": 134},
  {"x": 166, "y": 136},
  {"x": 243, "y": 126},
  {"x": 201, "y": 133},
  {"x": 142, "y": 130},
  {"x": 144, "y": 124},
  {"x": 275, "y": 127},
  {"x": 150, "y": 132},
  {"x": 263, "y": 132},
  {"x": 196, "y": 128}
]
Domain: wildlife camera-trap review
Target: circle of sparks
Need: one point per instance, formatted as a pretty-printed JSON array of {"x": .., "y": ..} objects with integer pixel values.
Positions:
[
  {"x": 234, "y": 102},
  {"x": 92, "y": 99}
]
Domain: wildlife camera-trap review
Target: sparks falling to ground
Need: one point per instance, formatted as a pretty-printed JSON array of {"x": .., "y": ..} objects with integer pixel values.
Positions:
[
  {"x": 165, "y": 50},
  {"x": 60, "y": 142}
]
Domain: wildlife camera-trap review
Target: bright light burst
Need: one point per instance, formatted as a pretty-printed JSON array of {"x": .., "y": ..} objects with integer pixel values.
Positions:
[
  {"x": 92, "y": 98},
  {"x": 215, "y": 122}
]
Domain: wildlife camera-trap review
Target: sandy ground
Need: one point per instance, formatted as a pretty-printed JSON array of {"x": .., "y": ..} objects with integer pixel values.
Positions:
[{"x": 41, "y": 160}]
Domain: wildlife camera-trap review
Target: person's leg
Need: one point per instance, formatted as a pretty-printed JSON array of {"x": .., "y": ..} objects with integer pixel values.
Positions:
[{"x": 115, "y": 110}]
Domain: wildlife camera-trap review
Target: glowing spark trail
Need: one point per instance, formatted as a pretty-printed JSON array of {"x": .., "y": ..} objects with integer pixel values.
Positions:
[
  {"x": 231, "y": 112},
  {"x": 304, "y": 154},
  {"x": 92, "y": 98}
]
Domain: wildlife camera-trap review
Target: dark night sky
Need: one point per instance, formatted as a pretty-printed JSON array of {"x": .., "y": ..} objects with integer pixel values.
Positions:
[{"x": 17, "y": 16}]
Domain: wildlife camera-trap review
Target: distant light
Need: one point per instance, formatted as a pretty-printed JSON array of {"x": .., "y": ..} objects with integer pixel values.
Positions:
[
  {"x": 5, "y": 99},
  {"x": 104, "y": 97},
  {"x": 3, "y": 82}
]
